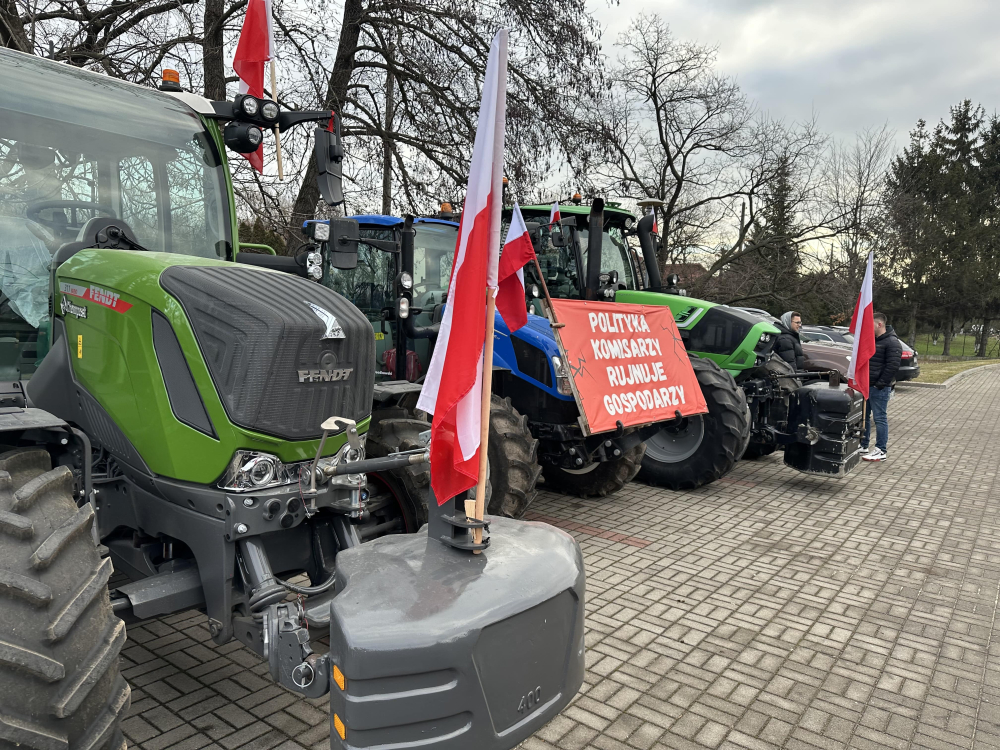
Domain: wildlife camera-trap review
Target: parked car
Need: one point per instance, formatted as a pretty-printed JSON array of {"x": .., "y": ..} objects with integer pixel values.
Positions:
[
  {"x": 910, "y": 368},
  {"x": 836, "y": 334},
  {"x": 824, "y": 351}
]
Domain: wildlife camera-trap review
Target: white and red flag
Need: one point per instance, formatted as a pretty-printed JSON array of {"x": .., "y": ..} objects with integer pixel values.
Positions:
[
  {"x": 517, "y": 252},
  {"x": 554, "y": 215},
  {"x": 255, "y": 47},
  {"x": 863, "y": 329},
  {"x": 453, "y": 387}
]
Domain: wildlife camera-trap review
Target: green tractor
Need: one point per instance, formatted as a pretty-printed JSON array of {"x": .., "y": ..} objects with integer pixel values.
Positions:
[
  {"x": 175, "y": 411},
  {"x": 757, "y": 404}
]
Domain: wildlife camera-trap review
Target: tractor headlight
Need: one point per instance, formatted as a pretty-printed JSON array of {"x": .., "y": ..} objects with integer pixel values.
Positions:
[
  {"x": 250, "y": 106},
  {"x": 406, "y": 281},
  {"x": 269, "y": 110},
  {"x": 562, "y": 377},
  {"x": 314, "y": 265},
  {"x": 252, "y": 470}
]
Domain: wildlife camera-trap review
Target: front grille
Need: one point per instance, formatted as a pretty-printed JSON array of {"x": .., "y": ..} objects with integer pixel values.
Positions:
[
  {"x": 257, "y": 333},
  {"x": 532, "y": 361}
]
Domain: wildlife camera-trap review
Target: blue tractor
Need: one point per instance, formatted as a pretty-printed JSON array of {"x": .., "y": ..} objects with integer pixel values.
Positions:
[{"x": 400, "y": 283}]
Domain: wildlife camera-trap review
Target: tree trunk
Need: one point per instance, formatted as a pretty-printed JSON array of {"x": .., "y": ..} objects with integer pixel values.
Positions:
[
  {"x": 911, "y": 336},
  {"x": 212, "y": 51},
  {"x": 984, "y": 338},
  {"x": 390, "y": 94},
  {"x": 336, "y": 95},
  {"x": 12, "y": 33},
  {"x": 949, "y": 334}
]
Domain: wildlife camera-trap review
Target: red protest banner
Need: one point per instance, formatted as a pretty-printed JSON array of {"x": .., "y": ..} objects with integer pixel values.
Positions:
[{"x": 627, "y": 363}]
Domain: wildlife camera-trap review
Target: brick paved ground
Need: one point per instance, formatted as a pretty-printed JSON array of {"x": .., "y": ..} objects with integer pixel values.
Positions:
[{"x": 770, "y": 609}]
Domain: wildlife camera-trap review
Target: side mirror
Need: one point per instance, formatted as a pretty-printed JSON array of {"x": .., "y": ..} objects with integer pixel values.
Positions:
[
  {"x": 329, "y": 153},
  {"x": 344, "y": 238}
]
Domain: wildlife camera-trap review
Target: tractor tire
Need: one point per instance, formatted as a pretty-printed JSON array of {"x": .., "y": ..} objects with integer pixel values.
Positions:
[
  {"x": 408, "y": 488},
  {"x": 745, "y": 443},
  {"x": 513, "y": 457},
  {"x": 599, "y": 479},
  {"x": 60, "y": 687},
  {"x": 706, "y": 446}
]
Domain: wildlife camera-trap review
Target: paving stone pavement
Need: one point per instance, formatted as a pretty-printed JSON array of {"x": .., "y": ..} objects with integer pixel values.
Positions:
[{"x": 769, "y": 609}]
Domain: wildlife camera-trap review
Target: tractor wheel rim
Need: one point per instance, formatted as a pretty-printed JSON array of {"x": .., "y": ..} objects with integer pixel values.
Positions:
[
  {"x": 584, "y": 470},
  {"x": 670, "y": 446}
]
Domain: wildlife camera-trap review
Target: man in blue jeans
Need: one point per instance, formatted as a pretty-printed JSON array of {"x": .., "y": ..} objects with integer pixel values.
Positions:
[{"x": 881, "y": 375}]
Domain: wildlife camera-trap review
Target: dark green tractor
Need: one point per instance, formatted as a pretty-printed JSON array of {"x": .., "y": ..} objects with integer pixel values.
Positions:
[
  {"x": 175, "y": 411},
  {"x": 757, "y": 404}
]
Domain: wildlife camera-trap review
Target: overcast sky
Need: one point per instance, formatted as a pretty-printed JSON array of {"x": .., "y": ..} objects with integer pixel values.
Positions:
[{"x": 858, "y": 63}]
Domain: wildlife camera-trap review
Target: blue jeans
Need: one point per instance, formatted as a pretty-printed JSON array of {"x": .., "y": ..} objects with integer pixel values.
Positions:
[{"x": 877, "y": 406}]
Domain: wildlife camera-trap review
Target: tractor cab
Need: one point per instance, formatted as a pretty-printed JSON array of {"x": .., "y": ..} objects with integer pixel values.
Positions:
[
  {"x": 71, "y": 156},
  {"x": 564, "y": 250}
]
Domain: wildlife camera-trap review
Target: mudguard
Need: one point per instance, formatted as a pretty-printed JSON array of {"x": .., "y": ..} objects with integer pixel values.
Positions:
[{"x": 434, "y": 647}]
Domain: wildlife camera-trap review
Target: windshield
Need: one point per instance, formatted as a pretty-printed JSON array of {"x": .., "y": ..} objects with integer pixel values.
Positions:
[
  {"x": 433, "y": 254},
  {"x": 615, "y": 254},
  {"x": 559, "y": 261},
  {"x": 75, "y": 146}
]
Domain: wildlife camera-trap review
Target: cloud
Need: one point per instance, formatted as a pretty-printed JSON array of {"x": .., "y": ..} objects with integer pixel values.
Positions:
[{"x": 857, "y": 63}]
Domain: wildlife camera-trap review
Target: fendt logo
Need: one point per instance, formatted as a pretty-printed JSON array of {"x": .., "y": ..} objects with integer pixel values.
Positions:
[
  {"x": 324, "y": 376},
  {"x": 103, "y": 297}
]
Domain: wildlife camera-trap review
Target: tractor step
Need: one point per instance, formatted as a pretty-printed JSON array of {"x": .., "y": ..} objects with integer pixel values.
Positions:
[{"x": 437, "y": 648}]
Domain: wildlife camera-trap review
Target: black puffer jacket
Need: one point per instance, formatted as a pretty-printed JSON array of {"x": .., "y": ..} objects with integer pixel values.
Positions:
[
  {"x": 886, "y": 360},
  {"x": 789, "y": 347}
]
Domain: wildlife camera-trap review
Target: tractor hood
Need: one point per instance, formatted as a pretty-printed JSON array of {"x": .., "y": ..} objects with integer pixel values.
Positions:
[{"x": 190, "y": 359}]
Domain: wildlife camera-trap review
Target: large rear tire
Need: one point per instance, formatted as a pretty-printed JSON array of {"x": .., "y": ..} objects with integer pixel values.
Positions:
[
  {"x": 513, "y": 456},
  {"x": 599, "y": 479},
  {"x": 399, "y": 493},
  {"x": 60, "y": 687},
  {"x": 704, "y": 447}
]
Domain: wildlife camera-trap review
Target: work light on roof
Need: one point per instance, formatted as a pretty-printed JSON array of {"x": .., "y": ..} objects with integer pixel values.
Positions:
[
  {"x": 250, "y": 106},
  {"x": 269, "y": 110}
]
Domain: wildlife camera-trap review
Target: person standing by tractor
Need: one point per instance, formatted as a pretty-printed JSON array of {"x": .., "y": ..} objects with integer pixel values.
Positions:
[
  {"x": 789, "y": 345},
  {"x": 882, "y": 369}
]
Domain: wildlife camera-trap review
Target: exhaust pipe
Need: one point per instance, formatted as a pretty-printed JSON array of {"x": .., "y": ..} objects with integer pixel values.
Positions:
[
  {"x": 645, "y": 231},
  {"x": 595, "y": 243}
]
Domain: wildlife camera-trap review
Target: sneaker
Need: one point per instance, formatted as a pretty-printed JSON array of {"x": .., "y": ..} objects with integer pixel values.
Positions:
[{"x": 874, "y": 455}]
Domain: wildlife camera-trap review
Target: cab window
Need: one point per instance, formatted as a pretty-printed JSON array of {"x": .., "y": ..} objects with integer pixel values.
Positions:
[
  {"x": 615, "y": 255},
  {"x": 369, "y": 285}
]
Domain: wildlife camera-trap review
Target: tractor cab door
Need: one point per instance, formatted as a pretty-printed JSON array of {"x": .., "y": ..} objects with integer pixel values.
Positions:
[
  {"x": 369, "y": 287},
  {"x": 434, "y": 243}
]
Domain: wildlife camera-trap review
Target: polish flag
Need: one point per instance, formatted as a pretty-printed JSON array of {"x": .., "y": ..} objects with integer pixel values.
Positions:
[
  {"x": 255, "y": 47},
  {"x": 863, "y": 329},
  {"x": 517, "y": 252},
  {"x": 555, "y": 216},
  {"x": 453, "y": 387}
]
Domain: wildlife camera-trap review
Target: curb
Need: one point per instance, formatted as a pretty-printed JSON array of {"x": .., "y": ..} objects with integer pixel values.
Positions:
[
  {"x": 971, "y": 370},
  {"x": 950, "y": 381}
]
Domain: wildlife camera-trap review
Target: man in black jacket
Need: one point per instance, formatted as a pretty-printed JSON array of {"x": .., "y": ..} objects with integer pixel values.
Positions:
[
  {"x": 788, "y": 346},
  {"x": 882, "y": 369}
]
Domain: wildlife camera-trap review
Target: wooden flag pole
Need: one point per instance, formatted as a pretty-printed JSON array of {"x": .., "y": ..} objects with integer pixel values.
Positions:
[
  {"x": 277, "y": 133},
  {"x": 484, "y": 434}
]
